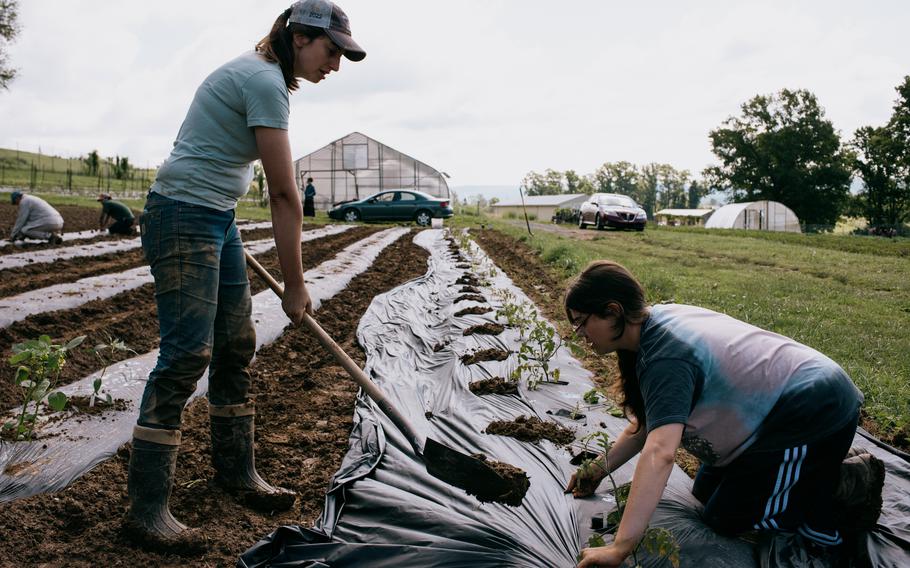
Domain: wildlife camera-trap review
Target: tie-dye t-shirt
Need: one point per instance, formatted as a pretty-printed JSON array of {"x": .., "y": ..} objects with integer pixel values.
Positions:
[{"x": 736, "y": 386}]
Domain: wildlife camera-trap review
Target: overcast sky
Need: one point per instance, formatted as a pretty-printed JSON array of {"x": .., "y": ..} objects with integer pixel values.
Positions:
[{"x": 484, "y": 90}]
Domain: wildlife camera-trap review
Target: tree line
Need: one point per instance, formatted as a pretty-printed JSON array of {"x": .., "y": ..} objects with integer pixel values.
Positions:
[{"x": 780, "y": 147}]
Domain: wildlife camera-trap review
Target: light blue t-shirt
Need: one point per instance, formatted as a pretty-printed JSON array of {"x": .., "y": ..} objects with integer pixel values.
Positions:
[
  {"x": 737, "y": 387},
  {"x": 211, "y": 163}
]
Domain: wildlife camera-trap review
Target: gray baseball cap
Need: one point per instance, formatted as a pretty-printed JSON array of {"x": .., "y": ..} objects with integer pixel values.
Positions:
[{"x": 327, "y": 15}]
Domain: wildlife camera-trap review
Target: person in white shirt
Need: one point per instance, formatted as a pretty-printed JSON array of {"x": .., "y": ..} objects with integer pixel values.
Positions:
[{"x": 36, "y": 219}]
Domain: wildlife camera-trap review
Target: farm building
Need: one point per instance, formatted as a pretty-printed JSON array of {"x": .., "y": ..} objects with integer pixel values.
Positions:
[
  {"x": 540, "y": 207},
  {"x": 683, "y": 217},
  {"x": 356, "y": 166},
  {"x": 755, "y": 215}
]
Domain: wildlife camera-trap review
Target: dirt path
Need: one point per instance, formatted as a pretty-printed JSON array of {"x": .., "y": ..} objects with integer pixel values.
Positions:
[{"x": 304, "y": 415}]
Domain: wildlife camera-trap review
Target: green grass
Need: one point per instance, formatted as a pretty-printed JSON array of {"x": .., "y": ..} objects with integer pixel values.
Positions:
[
  {"x": 846, "y": 296},
  {"x": 16, "y": 171}
]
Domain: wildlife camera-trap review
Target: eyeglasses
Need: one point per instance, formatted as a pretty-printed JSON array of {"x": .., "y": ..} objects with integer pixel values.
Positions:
[{"x": 580, "y": 325}]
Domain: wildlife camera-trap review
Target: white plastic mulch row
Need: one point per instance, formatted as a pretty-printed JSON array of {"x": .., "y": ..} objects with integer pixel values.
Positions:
[
  {"x": 71, "y": 295},
  {"x": 70, "y": 447},
  {"x": 74, "y": 236},
  {"x": 90, "y": 249}
]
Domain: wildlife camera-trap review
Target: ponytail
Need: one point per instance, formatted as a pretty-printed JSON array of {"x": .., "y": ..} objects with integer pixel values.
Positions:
[{"x": 278, "y": 46}]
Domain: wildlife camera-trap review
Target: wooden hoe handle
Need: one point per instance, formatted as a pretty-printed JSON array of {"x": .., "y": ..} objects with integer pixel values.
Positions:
[{"x": 356, "y": 373}]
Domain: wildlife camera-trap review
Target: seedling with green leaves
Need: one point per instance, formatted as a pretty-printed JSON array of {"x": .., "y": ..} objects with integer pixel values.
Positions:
[
  {"x": 105, "y": 353},
  {"x": 519, "y": 315},
  {"x": 656, "y": 541},
  {"x": 535, "y": 354},
  {"x": 38, "y": 365}
]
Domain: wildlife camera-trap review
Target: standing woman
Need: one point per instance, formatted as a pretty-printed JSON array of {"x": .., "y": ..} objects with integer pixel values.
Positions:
[
  {"x": 309, "y": 196},
  {"x": 770, "y": 419},
  {"x": 239, "y": 114}
]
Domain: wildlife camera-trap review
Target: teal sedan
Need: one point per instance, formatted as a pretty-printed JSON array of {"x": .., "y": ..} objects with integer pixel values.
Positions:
[{"x": 394, "y": 205}]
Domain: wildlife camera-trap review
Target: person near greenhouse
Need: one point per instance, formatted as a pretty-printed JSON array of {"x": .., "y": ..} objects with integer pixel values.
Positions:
[
  {"x": 770, "y": 419},
  {"x": 123, "y": 219},
  {"x": 309, "y": 197},
  {"x": 36, "y": 219},
  {"x": 238, "y": 115}
]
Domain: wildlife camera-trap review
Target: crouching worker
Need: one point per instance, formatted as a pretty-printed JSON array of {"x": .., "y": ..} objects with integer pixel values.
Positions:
[
  {"x": 770, "y": 419},
  {"x": 36, "y": 219},
  {"x": 123, "y": 219},
  {"x": 239, "y": 114}
]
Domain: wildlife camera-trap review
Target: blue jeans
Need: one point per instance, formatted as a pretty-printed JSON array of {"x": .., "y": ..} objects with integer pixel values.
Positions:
[{"x": 204, "y": 308}]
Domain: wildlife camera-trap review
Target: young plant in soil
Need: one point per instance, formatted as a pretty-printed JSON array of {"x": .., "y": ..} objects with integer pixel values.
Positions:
[
  {"x": 105, "y": 353},
  {"x": 535, "y": 354},
  {"x": 656, "y": 541},
  {"x": 38, "y": 362},
  {"x": 519, "y": 315}
]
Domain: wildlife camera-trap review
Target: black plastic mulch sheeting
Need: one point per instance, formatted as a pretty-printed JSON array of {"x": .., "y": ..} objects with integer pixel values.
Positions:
[{"x": 383, "y": 509}]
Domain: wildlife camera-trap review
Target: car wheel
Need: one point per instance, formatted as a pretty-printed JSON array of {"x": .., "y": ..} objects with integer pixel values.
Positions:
[
  {"x": 423, "y": 218},
  {"x": 351, "y": 215},
  {"x": 581, "y": 222},
  {"x": 599, "y": 223}
]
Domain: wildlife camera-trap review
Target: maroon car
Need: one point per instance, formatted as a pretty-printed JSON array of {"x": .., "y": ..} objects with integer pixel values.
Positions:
[{"x": 612, "y": 210}]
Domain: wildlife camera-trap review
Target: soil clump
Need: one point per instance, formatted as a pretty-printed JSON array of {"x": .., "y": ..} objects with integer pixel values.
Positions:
[
  {"x": 473, "y": 310},
  {"x": 531, "y": 429},
  {"x": 487, "y": 328},
  {"x": 491, "y": 354},
  {"x": 495, "y": 385}
]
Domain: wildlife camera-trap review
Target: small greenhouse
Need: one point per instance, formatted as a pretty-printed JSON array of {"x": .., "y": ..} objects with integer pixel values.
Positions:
[
  {"x": 755, "y": 215},
  {"x": 357, "y": 166}
]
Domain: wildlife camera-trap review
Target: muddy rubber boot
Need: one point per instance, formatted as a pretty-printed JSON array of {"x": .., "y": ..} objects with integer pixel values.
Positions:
[
  {"x": 149, "y": 523},
  {"x": 858, "y": 497},
  {"x": 234, "y": 458}
]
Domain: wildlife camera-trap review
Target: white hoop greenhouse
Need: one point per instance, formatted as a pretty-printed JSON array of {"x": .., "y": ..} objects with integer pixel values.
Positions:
[
  {"x": 357, "y": 166},
  {"x": 755, "y": 215}
]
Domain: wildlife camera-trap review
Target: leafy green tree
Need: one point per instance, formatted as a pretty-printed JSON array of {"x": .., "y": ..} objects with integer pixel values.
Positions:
[
  {"x": 92, "y": 163},
  {"x": 882, "y": 161},
  {"x": 783, "y": 148},
  {"x": 547, "y": 183},
  {"x": 9, "y": 29},
  {"x": 578, "y": 184},
  {"x": 672, "y": 186},
  {"x": 885, "y": 200},
  {"x": 121, "y": 167},
  {"x": 694, "y": 194},
  {"x": 646, "y": 189},
  {"x": 616, "y": 177}
]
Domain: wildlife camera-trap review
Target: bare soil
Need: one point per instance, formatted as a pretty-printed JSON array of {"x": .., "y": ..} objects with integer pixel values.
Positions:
[
  {"x": 475, "y": 310},
  {"x": 495, "y": 385},
  {"x": 131, "y": 317},
  {"x": 515, "y": 478},
  {"x": 304, "y": 403},
  {"x": 531, "y": 429},
  {"x": 491, "y": 354},
  {"x": 488, "y": 328},
  {"x": 470, "y": 298},
  {"x": 40, "y": 275}
]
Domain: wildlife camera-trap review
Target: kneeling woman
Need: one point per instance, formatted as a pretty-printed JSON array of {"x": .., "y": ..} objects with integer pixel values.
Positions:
[{"x": 770, "y": 419}]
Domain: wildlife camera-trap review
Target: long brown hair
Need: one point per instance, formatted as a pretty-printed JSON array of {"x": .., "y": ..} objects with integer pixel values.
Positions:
[
  {"x": 278, "y": 46},
  {"x": 599, "y": 285}
]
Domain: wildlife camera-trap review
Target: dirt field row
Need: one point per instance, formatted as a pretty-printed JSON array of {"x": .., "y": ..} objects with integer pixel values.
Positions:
[{"x": 304, "y": 404}]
